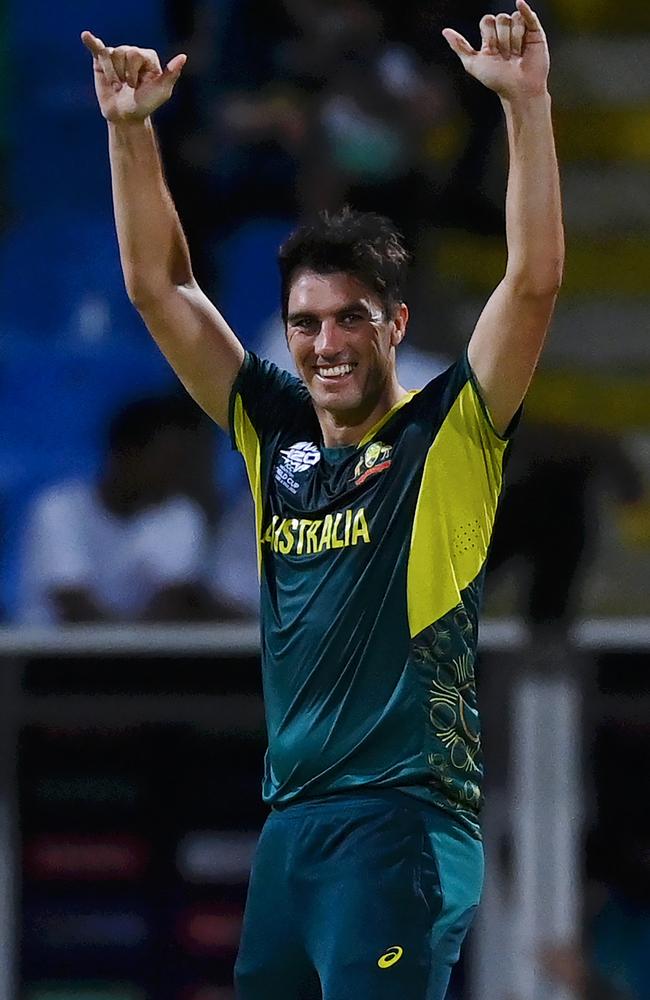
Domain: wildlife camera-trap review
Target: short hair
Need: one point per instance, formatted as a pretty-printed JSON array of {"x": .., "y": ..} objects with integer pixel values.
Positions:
[
  {"x": 362, "y": 244},
  {"x": 137, "y": 424}
]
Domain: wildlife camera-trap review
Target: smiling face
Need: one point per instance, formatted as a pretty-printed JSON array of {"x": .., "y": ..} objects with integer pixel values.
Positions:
[{"x": 343, "y": 345}]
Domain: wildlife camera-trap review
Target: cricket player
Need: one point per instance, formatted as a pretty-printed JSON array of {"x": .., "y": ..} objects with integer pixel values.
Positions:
[{"x": 374, "y": 511}]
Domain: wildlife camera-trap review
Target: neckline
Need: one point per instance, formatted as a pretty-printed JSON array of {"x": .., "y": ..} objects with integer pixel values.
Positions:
[
  {"x": 369, "y": 435},
  {"x": 337, "y": 453},
  {"x": 343, "y": 450}
]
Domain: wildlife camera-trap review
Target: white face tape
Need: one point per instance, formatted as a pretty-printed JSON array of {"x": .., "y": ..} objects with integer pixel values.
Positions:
[{"x": 375, "y": 314}]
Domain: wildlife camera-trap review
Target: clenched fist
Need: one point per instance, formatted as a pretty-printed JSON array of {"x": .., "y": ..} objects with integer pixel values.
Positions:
[{"x": 130, "y": 82}]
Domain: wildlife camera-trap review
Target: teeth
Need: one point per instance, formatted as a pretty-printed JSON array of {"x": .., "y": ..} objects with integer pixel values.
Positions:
[{"x": 338, "y": 370}]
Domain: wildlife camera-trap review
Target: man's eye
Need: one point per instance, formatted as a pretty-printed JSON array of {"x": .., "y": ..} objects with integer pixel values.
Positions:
[
  {"x": 350, "y": 318},
  {"x": 304, "y": 323}
]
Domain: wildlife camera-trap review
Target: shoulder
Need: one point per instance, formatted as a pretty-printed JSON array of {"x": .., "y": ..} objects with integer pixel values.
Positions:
[
  {"x": 269, "y": 399},
  {"x": 257, "y": 372},
  {"x": 438, "y": 394},
  {"x": 454, "y": 398}
]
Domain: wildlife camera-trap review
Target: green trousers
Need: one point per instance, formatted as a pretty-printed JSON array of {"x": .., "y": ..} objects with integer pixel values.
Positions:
[{"x": 363, "y": 896}]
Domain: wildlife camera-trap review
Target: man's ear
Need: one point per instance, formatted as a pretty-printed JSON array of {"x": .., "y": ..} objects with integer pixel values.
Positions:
[{"x": 399, "y": 324}]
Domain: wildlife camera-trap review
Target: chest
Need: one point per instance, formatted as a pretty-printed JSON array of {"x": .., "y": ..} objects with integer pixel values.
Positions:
[{"x": 305, "y": 478}]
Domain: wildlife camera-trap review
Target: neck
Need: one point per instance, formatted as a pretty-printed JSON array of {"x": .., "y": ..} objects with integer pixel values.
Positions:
[{"x": 351, "y": 426}]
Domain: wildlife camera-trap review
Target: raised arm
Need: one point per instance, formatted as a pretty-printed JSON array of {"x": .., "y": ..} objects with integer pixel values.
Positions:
[
  {"x": 506, "y": 344},
  {"x": 194, "y": 337}
]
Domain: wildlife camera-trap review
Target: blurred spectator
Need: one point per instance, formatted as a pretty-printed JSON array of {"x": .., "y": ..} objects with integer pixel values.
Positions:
[
  {"x": 570, "y": 967},
  {"x": 343, "y": 101},
  {"x": 613, "y": 962},
  {"x": 228, "y": 158},
  {"x": 231, "y": 573},
  {"x": 463, "y": 200},
  {"x": 375, "y": 99},
  {"x": 619, "y": 846},
  {"x": 133, "y": 545},
  {"x": 298, "y": 105},
  {"x": 549, "y": 516},
  {"x": 310, "y": 106}
]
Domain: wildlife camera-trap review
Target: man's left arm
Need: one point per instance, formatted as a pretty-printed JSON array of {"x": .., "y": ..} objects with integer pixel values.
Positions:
[{"x": 508, "y": 338}]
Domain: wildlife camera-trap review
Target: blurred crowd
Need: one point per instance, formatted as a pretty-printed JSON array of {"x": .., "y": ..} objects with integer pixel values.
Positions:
[
  {"x": 326, "y": 103},
  {"x": 282, "y": 111}
]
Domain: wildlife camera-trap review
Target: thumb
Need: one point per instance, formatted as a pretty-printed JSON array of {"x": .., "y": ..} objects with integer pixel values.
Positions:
[
  {"x": 459, "y": 44},
  {"x": 175, "y": 66}
]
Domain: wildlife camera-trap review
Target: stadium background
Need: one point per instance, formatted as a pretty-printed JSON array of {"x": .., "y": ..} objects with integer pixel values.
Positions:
[{"x": 130, "y": 776}]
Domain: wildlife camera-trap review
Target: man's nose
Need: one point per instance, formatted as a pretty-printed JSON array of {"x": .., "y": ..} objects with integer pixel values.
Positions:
[{"x": 330, "y": 338}]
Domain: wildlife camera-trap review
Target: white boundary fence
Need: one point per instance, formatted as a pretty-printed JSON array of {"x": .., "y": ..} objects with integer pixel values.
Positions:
[
  {"x": 496, "y": 635},
  {"x": 540, "y": 811}
]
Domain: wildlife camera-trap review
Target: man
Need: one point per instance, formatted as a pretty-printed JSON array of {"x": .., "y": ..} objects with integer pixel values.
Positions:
[
  {"x": 130, "y": 546},
  {"x": 374, "y": 508}
]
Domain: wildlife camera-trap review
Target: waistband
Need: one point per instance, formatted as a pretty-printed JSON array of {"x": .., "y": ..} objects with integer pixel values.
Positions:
[{"x": 362, "y": 796}]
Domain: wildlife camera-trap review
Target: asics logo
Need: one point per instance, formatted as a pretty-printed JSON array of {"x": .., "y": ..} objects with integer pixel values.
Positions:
[{"x": 390, "y": 957}]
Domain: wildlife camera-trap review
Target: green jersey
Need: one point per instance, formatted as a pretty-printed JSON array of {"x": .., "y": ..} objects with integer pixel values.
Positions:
[{"x": 371, "y": 563}]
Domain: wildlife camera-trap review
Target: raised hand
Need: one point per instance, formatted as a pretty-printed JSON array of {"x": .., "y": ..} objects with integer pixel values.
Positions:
[
  {"x": 130, "y": 82},
  {"x": 513, "y": 59}
]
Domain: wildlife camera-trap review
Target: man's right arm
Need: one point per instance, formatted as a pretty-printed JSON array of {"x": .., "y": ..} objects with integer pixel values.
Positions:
[
  {"x": 191, "y": 333},
  {"x": 196, "y": 340}
]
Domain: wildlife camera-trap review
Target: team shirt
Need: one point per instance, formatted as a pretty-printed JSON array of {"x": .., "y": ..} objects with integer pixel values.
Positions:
[{"x": 371, "y": 561}]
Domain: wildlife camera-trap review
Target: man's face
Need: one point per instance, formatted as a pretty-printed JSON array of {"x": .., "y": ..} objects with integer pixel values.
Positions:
[{"x": 342, "y": 344}]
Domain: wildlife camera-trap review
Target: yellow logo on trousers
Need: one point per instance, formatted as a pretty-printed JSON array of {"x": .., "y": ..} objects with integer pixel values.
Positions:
[{"x": 390, "y": 957}]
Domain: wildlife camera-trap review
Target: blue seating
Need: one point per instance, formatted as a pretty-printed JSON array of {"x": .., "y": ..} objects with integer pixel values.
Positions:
[
  {"x": 52, "y": 265},
  {"x": 58, "y": 137},
  {"x": 42, "y": 25},
  {"x": 249, "y": 278},
  {"x": 63, "y": 164}
]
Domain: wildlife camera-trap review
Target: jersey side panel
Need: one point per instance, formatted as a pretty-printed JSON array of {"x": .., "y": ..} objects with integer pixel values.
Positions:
[
  {"x": 248, "y": 444},
  {"x": 265, "y": 401},
  {"x": 455, "y": 510},
  {"x": 454, "y": 517}
]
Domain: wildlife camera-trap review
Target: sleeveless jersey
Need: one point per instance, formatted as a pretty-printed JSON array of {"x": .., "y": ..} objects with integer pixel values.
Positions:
[{"x": 371, "y": 563}]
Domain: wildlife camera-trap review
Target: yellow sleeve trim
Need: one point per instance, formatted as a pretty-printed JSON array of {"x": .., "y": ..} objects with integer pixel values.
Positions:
[
  {"x": 248, "y": 444},
  {"x": 367, "y": 438},
  {"x": 455, "y": 511}
]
